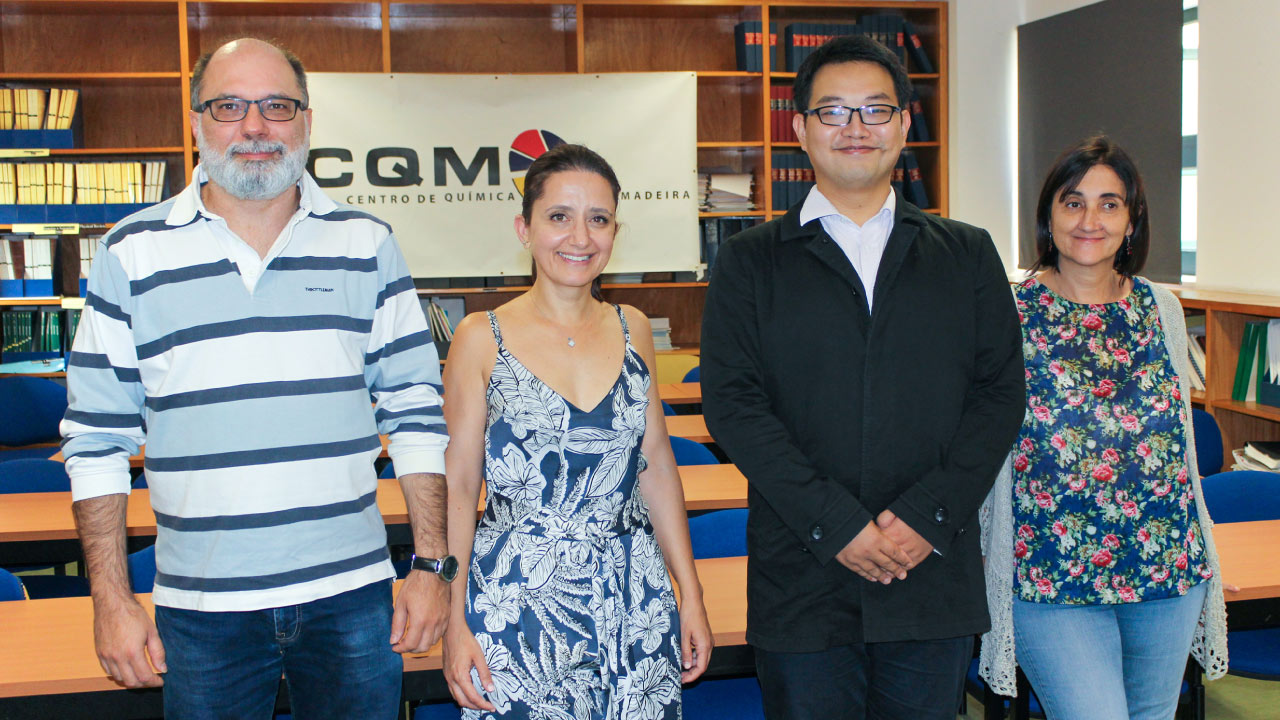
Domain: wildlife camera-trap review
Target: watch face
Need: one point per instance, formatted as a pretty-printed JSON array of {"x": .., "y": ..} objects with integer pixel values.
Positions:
[{"x": 448, "y": 568}]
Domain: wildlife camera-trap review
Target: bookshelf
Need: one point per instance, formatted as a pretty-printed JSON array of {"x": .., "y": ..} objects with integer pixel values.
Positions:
[
  {"x": 1225, "y": 316},
  {"x": 134, "y": 90}
]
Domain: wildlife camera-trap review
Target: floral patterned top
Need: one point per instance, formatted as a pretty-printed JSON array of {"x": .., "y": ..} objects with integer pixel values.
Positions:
[{"x": 1102, "y": 508}]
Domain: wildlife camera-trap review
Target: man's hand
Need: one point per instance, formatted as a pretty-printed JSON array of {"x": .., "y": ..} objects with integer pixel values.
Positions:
[
  {"x": 875, "y": 556},
  {"x": 421, "y": 612},
  {"x": 912, "y": 542},
  {"x": 127, "y": 643}
]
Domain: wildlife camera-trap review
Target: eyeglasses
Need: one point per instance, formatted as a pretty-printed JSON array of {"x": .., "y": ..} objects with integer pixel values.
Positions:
[
  {"x": 233, "y": 109},
  {"x": 840, "y": 115}
]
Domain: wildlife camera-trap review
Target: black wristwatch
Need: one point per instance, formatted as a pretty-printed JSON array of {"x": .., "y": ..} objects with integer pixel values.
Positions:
[{"x": 446, "y": 567}]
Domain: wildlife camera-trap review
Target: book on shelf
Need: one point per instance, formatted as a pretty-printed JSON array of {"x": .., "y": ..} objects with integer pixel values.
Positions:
[
  {"x": 919, "y": 131},
  {"x": 661, "y": 328},
  {"x": 915, "y": 48},
  {"x": 726, "y": 192},
  {"x": 37, "y": 108},
  {"x": 913, "y": 186},
  {"x": 1244, "y": 461},
  {"x": 781, "y": 110},
  {"x": 1265, "y": 452},
  {"x": 713, "y": 232},
  {"x": 1257, "y": 377},
  {"x": 748, "y": 45},
  {"x": 1198, "y": 360},
  {"x": 82, "y": 183},
  {"x": 27, "y": 331}
]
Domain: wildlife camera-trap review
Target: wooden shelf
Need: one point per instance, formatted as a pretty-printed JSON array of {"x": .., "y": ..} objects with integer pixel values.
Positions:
[
  {"x": 89, "y": 76},
  {"x": 732, "y": 144},
  {"x": 118, "y": 151},
  {"x": 1252, "y": 409},
  {"x": 745, "y": 213}
]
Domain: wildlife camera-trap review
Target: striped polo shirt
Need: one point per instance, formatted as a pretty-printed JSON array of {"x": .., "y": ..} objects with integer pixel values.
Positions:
[{"x": 250, "y": 381}]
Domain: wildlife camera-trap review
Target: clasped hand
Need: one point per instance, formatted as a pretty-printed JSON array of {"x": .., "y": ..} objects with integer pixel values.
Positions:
[{"x": 885, "y": 549}]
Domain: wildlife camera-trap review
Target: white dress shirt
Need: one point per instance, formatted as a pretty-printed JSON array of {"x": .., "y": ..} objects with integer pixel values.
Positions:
[{"x": 862, "y": 244}]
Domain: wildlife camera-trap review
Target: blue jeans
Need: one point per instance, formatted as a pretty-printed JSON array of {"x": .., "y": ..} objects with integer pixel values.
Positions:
[
  {"x": 909, "y": 680},
  {"x": 1107, "y": 662},
  {"x": 333, "y": 653}
]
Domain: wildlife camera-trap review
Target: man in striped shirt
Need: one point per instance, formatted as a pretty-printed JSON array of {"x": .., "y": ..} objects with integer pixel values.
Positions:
[{"x": 240, "y": 329}]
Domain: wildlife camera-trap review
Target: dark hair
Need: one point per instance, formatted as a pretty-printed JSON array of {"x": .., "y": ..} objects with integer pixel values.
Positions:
[
  {"x": 197, "y": 72},
  {"x": 851, "y": 48},
  {"x": 1065, "y": 176},
  {"x": 564, "y": 158}
]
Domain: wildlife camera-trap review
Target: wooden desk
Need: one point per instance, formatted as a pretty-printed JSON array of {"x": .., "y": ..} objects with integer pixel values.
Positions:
[
  {"x": 1249, "y": 553},
  {"x": 35, "y": 517},
  {"x": 47, "y": 645},
  {"x": 692, "y": 427},
  {"x": 680, "y": 393}
]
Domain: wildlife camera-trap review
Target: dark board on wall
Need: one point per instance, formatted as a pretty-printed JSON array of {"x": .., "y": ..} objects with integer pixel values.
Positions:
[{"x": 1113, "y": 67}]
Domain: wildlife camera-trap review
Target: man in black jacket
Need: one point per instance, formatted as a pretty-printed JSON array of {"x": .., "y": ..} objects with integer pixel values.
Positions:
[{"x": 861, "y": 364}]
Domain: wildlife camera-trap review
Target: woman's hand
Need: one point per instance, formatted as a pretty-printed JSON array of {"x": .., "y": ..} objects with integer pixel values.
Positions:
[
  {"x": 461, "y": 653},
  {"x": 695, "y": 639}
]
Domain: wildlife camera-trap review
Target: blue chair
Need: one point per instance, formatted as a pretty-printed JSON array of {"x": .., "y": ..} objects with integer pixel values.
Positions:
[
  {"x": 30, "y": 410},
  {"x": 10, "y": 587},
  {"x": 1242, "y": 496},
  {"x": 1246, "y": 496},
  {"x": 439, "y": 710},
  {"x": 29, "y": 475},
  {"x": 719, "y": 533},
  {"x": 694, "y": 374},
  {"x": 667, "y": 409},
  {"x": 142, "y": 569},
  {"x": 688, "y": 452},
  {"x": 730, "y": 698},
  {"x": 388, "y": 472},
  {"x": 1208, "y": 439}
]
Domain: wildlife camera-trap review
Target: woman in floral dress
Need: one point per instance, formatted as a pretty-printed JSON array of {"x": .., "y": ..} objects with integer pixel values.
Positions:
[
  {"x": 1100, "y": 561},
  {"x": 568, "y": 610}
]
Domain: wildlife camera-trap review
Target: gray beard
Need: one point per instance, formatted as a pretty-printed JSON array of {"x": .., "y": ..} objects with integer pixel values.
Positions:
[{"x": 256, "y": 180}]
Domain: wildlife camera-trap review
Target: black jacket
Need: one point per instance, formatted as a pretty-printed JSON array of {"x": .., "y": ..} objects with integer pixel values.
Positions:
[{"x": 834, "y": 414}]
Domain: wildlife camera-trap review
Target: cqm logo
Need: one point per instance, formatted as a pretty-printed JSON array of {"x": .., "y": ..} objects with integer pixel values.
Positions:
[{"x": 527, "y": 147}]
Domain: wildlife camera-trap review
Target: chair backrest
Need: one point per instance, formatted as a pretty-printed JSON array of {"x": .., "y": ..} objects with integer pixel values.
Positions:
[
  {"x": 1242, "y": 496},
  {"x": 1208, "y": 442},
  {"x": 142, "y": 569},
  {"x": 388, "y": 471},
  {"x": 667, "y": 410},
  {"x": 719, "y": 533},
  {"x": 30, "y": 410},
  {"x": 29, "y": 475},
  {"x": 688, "y": 452},
  {"x": 11, "y": 587},
  {"x": 694, "y": 374}
]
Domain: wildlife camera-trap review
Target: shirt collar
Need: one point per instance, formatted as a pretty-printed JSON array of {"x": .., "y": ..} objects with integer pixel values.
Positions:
[
  {"x": 188, "y": 203},
  {"x": 816, "y": 205}
]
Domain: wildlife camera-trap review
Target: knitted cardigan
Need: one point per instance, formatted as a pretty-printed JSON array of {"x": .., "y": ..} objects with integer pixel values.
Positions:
[{"x": 998, "y": 662}]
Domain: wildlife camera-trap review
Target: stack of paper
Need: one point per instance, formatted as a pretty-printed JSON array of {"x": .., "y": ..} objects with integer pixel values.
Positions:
[
  {"x": 661, "y": 333},
  {"x": 726, "y": 192}
]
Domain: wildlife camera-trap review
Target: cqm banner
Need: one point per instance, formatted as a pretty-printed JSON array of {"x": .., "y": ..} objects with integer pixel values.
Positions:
[{"x": 442, "y": 158}]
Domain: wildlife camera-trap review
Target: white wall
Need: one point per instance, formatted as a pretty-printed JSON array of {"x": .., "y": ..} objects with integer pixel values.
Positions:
[
  {"x": 983, "y": 112},
  {"x": 1238, "y": 156}
]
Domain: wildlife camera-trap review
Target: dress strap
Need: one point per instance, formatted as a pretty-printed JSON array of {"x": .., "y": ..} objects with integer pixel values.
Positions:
[
  {"x": 626, "y": 331},
  {"x": 493, "y": 323}
]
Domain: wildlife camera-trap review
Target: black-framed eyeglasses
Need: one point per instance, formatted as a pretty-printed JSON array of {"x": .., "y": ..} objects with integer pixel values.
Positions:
[
  {"x": 233, "y": 109},
  {"x": 840, "y": 115}
]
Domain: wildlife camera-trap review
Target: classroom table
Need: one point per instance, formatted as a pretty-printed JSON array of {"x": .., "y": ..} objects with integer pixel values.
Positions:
[
  {"x": 680, "y": 393},
  {"x": 35, "y": 523},
  {"x": 48, "y": 663}
]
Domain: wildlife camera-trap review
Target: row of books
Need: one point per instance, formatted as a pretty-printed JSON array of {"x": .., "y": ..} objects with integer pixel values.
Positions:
[
  {"x": 31, "y": 331},
  {"x": 714, "y": 231},
  {"x": 1257, "y": 376},
  {"x": 1258, "y": 455},
  {"x": 726, "y": 192},
  {"x": 33, "y": 262},
  {"x": 1195, "y": 352},
  {"x": 782, "y": 109},
  {"x": 801, "y": 39},
  {"x": 792, "y": 176},
  {"x": 37, "y": 108},
  {"x": 81, "y": 183}
]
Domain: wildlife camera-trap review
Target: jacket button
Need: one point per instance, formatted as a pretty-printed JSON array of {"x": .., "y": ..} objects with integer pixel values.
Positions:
[
  {"x": 940, "y": 515},
  {"x": 816, "y": 532}
]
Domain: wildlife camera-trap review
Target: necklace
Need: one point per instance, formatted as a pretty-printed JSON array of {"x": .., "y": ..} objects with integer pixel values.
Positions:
[{"x": 569, "y": 335}]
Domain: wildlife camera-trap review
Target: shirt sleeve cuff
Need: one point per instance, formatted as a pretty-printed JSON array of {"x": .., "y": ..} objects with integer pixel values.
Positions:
[
  {"x": 90, "y": 484},
  {"x": 417, "y": 453}
]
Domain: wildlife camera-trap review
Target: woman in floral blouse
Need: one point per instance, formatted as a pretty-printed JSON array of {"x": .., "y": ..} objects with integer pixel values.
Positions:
[{"x": 1112, "y": 564}]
